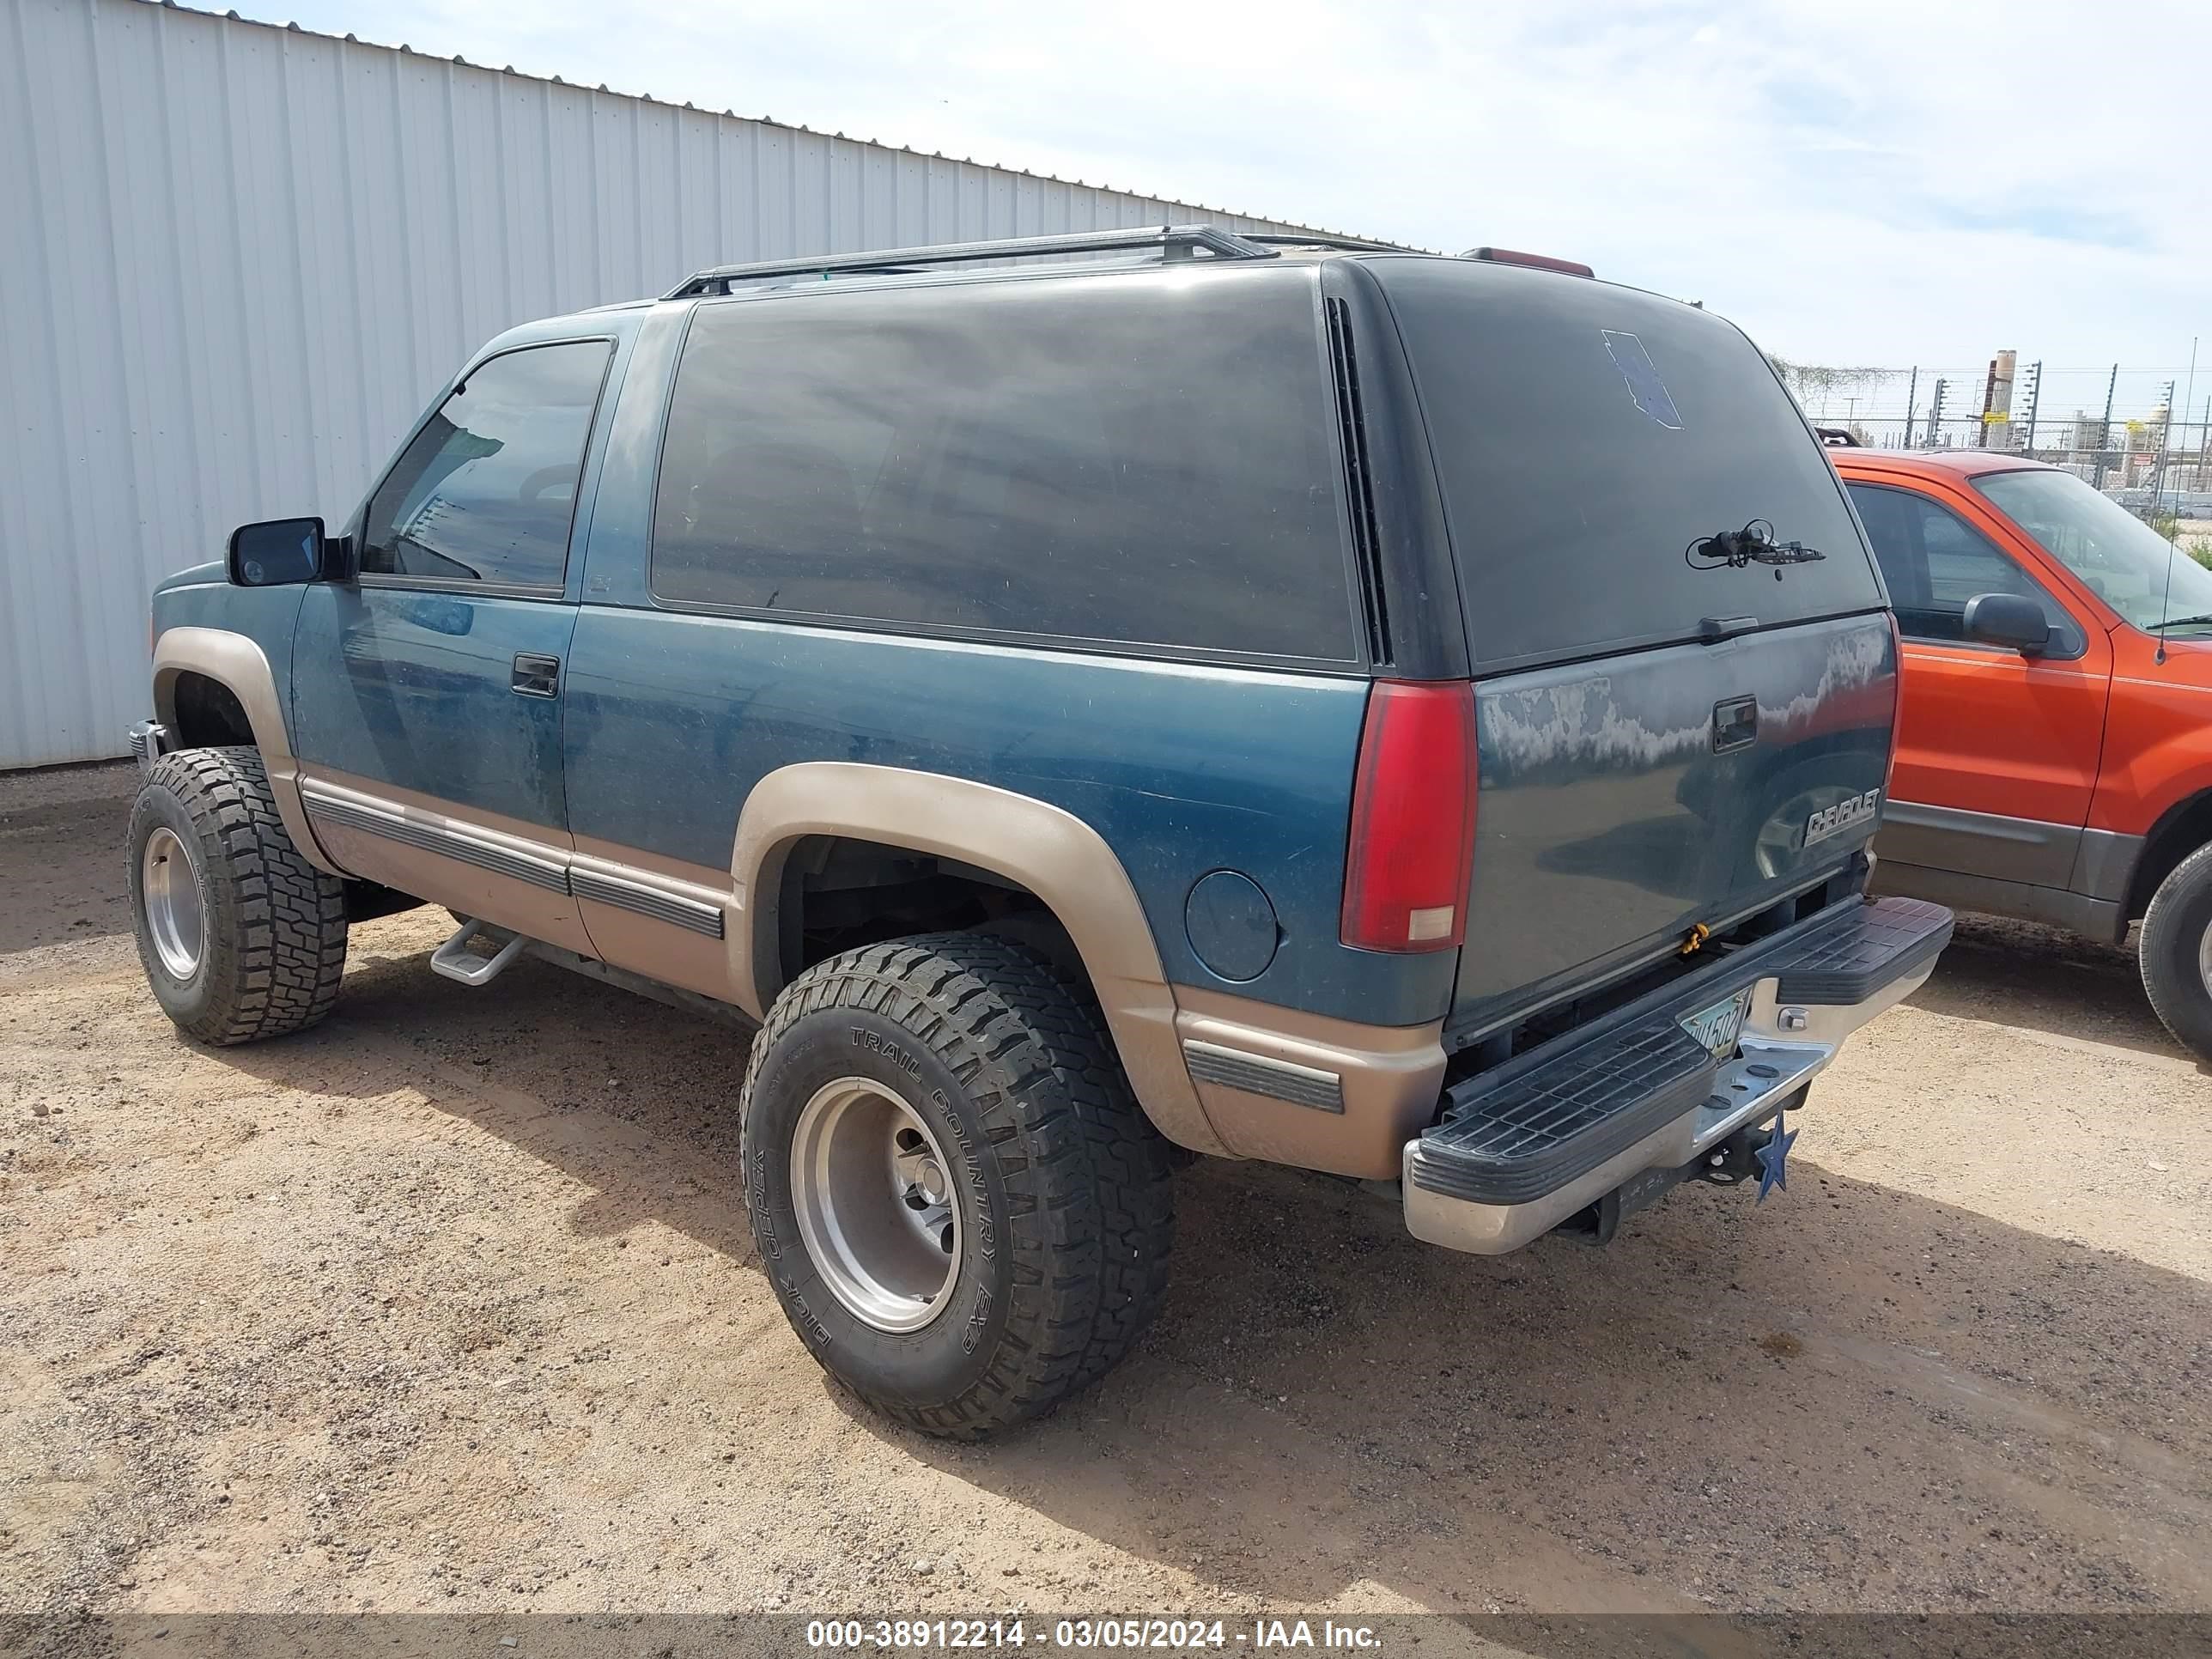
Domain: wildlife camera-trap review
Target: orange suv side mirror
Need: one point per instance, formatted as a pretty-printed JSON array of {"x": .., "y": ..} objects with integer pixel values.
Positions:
[{"x": 2009, "y": 619}]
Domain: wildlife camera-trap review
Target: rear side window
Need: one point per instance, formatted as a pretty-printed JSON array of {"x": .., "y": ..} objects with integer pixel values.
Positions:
[
  {"x": 1147, "y": 460},
  {"x": 486, "y": 491},
  {"x": 1584, "y": 435}
]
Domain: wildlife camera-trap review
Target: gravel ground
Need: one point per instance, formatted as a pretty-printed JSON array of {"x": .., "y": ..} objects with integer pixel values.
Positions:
[{"x": 450, "y": 1304}]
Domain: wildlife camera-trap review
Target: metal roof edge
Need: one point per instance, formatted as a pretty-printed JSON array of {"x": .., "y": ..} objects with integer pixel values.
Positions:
[{"x": 352, "y": 40}]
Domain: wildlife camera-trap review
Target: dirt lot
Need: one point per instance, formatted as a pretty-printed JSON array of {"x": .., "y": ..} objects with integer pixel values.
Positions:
[{"x": 450, "y": 1304}]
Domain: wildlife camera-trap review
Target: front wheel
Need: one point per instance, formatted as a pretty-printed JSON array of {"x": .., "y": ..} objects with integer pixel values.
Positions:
[
  {"x": 2177, "y": 952},
  {"x": 963, "y": 1210},
  {"x": 241, "y": 938}
]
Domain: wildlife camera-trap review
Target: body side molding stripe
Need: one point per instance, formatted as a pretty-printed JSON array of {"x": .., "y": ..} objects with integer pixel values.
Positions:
[
  {"x": 2031, "y": 850},
  {"x": 1278, "y": 1079},
  {"x": 552, "y": 868},
  {"x": 485, "y": 855},
  {"x": 694, "y": 914}
]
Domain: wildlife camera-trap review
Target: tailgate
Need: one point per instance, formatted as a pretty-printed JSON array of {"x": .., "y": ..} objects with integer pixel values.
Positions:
[
  {"x": 1665, "y": 739},
  {"x": 1623, "y": 802}
]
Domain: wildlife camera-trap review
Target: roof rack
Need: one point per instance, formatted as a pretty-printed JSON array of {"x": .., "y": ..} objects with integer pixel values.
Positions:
[
  {"x": 1321, "y": 239},
  {"x": 1174, "y": 241},
  {"x": 1838, "y": 437}
]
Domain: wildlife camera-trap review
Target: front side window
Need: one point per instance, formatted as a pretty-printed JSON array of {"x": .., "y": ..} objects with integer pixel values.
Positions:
[
  {"x": 2118, "y": 556},
  {"x": 1148, "y": 459},
  {"x": 1934, "y": 562},
  {"x": 486, "y": 491}
]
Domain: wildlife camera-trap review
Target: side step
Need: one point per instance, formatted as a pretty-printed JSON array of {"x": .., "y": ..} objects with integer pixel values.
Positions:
[{"x": 456, "y": 961}]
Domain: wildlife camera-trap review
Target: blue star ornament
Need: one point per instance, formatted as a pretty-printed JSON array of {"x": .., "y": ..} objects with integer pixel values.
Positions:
[{"x": 1774, "y": 1158}]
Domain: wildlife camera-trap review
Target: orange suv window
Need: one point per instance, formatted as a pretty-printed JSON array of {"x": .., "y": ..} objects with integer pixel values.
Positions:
[
  {"x": 1934, "y": 562},
  {"x": 2119, "y": 557}
]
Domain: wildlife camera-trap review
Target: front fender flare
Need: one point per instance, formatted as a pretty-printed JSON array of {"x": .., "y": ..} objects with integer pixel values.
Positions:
[
  {"x": 238, "y": 665},
  {"x": 1047, "y": 850}
]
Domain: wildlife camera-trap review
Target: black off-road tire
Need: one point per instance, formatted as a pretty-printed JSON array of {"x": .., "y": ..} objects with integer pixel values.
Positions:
[
  {"x": 273, "y": 925},
  {"x": 1064, "y": 1183},
  {"x": 2174, "y": 931}
]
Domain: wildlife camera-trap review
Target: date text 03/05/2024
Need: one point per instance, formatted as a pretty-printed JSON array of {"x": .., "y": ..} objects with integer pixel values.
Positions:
[{"x": 1086, "y": 1634}]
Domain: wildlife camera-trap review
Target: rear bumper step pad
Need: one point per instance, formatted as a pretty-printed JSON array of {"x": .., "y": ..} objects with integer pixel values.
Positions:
[
  {"x": 1847, "y": 962},
  {"x": 1522, "y": 1146}
]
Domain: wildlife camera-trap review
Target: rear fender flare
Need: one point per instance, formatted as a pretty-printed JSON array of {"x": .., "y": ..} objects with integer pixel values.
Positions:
[
  {"x": 1047, "y": 850},
  {"x": 238, "y": 665}
]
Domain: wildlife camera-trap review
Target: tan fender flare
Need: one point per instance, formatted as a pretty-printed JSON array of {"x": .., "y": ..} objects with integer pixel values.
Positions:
[
  {"x": 236, "y": 663},
  {"x": 1051, "y": 852}
]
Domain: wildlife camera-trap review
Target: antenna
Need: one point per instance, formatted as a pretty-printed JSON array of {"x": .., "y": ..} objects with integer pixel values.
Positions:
[{"x": 2165, "y": 604}]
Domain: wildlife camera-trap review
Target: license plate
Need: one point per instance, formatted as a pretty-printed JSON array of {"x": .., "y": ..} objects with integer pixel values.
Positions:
[{"x": 1719, "y": 1026}]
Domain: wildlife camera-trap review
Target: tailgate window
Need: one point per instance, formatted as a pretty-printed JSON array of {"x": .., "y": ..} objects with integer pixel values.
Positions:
[{"x": 1584, "y": 435}]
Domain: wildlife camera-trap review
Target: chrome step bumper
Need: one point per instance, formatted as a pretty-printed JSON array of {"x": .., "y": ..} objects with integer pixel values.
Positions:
[{"x": 1533, "y": 1142}]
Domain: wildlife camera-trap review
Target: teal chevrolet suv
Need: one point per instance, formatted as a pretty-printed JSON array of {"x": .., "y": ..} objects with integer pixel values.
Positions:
[{"x": 1091, "y": 700}]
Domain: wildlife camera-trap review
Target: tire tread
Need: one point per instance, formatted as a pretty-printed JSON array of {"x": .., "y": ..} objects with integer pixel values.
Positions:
[
  {"x": 282, "y": 958},
  {"x": 1091, "y": 1208},
  {"x": 2168, "y": 948}
]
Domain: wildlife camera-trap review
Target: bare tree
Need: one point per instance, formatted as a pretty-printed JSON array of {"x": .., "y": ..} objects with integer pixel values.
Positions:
[{"x": 1816, "y": 384}]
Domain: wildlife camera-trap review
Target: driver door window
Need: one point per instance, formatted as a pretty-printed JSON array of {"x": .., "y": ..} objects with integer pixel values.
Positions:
[
  {"x": 486, "y": 491},
  {"x": 1934, "y": 562}
]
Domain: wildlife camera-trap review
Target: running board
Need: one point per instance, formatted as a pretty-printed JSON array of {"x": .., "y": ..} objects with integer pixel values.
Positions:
[
  {"x": 671, "y": 996},
  {"x": 456, "y": 961}
]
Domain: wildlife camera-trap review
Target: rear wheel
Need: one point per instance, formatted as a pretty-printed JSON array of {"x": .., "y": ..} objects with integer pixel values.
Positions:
[
  {"x": 2177, "y": 952},
  {"x": 241, "y": 937},
  {"x": 962, "y": 1208}
]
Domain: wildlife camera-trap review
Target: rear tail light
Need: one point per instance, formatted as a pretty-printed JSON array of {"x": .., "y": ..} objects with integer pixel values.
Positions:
[{"x": 1412, "y": 852}]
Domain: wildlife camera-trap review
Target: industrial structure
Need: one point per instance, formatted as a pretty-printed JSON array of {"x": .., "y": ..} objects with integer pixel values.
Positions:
[{"x": 239, "y": 258}]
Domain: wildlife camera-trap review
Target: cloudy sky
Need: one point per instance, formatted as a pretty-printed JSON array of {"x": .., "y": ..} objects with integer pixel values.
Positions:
[{"x": 1861, "y": 181}]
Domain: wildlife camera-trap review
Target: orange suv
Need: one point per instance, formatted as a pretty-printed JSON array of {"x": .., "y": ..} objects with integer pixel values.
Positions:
[{"x": 2054, "y": 747}]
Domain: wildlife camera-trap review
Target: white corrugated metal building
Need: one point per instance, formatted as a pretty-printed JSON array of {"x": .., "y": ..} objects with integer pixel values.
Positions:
[{"x": 236, "y": 260}]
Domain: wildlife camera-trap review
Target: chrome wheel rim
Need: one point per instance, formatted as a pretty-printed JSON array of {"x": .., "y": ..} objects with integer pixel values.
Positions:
[
  {"x": 876, "y": 1206},
  {"x": 2205, "y": 960},
  {"x": 169, "y": 883}
]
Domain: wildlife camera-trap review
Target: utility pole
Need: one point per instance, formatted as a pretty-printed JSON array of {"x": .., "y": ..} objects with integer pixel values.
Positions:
[
  {"x": 2182, "y": 410},
  {"x": 2105, "y": 427},
  {"x": 1911, "y": 405},
  {"x": 2165, "y": 439},
  {"x": 2034, "y": 396}
]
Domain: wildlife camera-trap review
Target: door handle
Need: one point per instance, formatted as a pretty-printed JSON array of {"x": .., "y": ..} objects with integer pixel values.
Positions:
[
  {"x": 535, "y": 675},
  {"x": 1735, "y": 724}
]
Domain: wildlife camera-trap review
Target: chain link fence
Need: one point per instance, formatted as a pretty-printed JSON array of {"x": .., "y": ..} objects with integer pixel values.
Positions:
[
  {"x": 2141, "y": 435},
  {"x": 2167, "y": 462}
]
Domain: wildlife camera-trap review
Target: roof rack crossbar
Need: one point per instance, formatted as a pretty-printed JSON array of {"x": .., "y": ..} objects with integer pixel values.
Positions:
[{"x": 1174, "y": 241}]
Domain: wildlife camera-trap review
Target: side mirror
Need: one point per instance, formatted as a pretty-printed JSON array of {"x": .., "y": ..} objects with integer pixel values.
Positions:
[
  {"x": 2009, "y": 619},
  {"x": 277, "y": 552}
]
